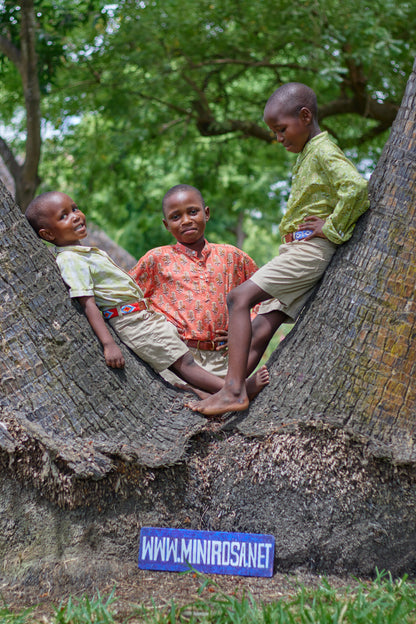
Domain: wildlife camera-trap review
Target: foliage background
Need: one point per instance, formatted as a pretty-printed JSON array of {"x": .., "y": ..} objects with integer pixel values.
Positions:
[{"x": 140, "y": 95}]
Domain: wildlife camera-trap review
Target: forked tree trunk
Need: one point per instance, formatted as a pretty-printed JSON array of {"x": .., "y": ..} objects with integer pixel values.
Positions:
[{"x": 90, "y": 454}]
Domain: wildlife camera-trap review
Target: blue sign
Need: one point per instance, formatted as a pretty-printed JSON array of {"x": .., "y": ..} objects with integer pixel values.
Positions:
[{"x": 213, "y": 552}]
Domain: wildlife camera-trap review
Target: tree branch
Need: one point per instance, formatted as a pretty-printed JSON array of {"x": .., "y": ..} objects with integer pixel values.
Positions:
[
  {"x": 384, "y": 112},
  {"x": 10, "y": 50},
  {"x": 247, "y": 63},
  {"x": 30, "y": 85},
  {"x": 9, "y": 159}
]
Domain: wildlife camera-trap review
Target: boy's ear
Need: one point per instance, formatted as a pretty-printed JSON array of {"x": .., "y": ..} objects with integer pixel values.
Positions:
[
  {"x": 46, "y": 235},
  {"x": 306, "y": 115},
  {"x": 207, "y": 213},
  {"x": 165, "y": 223}
]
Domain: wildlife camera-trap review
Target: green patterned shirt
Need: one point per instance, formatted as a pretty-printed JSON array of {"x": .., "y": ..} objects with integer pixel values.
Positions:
[
  {"x": 89, "y": 271},
  {"x": 327, "y": 185}
]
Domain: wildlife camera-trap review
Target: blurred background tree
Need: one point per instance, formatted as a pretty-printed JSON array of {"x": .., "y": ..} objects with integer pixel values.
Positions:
[{"x": 138, "y": 96}]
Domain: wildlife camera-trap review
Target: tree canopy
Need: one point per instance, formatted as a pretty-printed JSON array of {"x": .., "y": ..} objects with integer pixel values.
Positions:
[{"x": 138, "y": 96}]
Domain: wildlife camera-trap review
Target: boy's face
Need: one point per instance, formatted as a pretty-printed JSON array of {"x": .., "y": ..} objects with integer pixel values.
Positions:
[
  {"x": 65, "y": 224},
  {"x": 292, "y": 131},
  {"x": 186, "y": 217}
]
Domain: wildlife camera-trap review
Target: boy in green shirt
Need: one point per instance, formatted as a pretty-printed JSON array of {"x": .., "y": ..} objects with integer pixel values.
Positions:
[{"x": 327, "y": 197}]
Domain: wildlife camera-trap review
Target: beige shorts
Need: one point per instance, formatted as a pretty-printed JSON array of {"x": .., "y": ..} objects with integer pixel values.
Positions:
[
  {"x": 151, "y": 337},
  {"x": 291, "y": 276},
  {"x": 215, "y": 362}
]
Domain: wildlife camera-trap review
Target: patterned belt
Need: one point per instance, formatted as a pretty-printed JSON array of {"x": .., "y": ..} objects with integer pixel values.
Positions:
[
  {"x": 125, "y": 308},
  {"x": 202, "y": 345},
  {"x": 295, "y": 236}
]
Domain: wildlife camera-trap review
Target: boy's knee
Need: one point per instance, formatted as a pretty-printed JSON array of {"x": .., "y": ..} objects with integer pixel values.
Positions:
[
  {"x": 184, "y": 361},
  {"x": 237, "y": 297},
  {"x": 231, "y": 299}
]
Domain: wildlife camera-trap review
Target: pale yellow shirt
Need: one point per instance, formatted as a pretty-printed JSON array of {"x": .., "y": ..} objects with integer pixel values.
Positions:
[
  {"x": 325, "y": 184},
  {"x": 89, "y": 271}
]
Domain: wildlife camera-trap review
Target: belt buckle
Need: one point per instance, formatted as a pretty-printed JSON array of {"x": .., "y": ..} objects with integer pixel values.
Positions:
[
  {"x": 301, "y": 234},
  {"x": 127, "y": 308}
]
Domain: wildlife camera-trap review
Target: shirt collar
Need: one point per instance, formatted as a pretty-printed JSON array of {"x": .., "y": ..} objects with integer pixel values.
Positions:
[
  {"x": 206, "y": 250},
  {"x": 310, "y": 145},
  {"x": 80, "y": 248}
]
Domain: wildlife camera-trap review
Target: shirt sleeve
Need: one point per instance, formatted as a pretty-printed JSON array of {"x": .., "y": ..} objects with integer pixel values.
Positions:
[
  {"x": 250, "y": 267},
  {"x": 352, "y": 198},
  {"x": 143, "y": 274},
  {"x": 76, "y": 274}
]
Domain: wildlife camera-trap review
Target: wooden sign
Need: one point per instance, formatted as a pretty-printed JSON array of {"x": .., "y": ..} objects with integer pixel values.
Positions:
[{"x": 213, "y": 552}]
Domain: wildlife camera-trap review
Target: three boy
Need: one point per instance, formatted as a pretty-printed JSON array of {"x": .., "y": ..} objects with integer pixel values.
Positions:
[{"x": 327, "y": 197}]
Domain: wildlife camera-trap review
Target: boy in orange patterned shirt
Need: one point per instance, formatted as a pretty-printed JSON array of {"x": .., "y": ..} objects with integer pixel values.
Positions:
[{"x": 189, "y": 281}]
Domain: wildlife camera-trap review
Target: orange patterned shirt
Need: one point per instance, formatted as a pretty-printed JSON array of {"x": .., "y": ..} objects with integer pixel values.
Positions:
[{"x": 190, "y": 291}]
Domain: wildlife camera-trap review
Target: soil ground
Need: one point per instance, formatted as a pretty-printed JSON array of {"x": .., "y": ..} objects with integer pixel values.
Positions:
[{"x": 149, "y": 588}]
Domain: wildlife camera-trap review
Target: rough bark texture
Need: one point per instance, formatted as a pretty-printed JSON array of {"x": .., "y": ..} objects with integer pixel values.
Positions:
[
  {"x": 85, "y": 450},
  {"x": 56, "y": 388}
]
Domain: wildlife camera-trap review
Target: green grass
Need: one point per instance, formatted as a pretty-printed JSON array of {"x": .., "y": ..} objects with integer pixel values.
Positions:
[
  {"x": 85, "y": 611},
  {"x": 383, "y": 601}
]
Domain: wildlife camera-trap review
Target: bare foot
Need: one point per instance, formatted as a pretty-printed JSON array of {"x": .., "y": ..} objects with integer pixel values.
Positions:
[
  {"x": 257, "y": 381},
  {"x": 226, "y": 401},
  {"x": 201, "y": 393},
  {"x": 221, "y": 402}
]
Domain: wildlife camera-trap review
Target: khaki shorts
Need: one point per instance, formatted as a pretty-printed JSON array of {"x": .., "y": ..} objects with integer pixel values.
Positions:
[
  {"x": 151, "y": 337},
  {"x": 291, "y": 276},
  {"x": 215, "y": 362}
]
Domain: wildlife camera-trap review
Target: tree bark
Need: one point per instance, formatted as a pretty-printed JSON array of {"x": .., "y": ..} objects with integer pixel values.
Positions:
[{"x": 93, "y": 454}]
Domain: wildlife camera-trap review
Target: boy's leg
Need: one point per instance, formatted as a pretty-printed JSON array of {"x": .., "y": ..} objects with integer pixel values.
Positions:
[
  {"x": 187, "y": 369},
  {"x": 233, "y": 396},
  {"x": 264, "y": 326},
  {"x": 200, "y": 379}
]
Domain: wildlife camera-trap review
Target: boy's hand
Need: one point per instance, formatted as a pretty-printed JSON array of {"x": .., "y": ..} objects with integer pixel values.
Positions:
[
  {"x": 113, "y": 356},
  {"x": 315, "y": 224},
  {"x": 221, "y": 340}
]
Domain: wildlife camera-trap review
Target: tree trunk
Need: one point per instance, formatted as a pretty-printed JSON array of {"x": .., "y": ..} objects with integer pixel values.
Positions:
[
  {"x": 25, "y": 59},
  {"x": 93, "y": 453}
]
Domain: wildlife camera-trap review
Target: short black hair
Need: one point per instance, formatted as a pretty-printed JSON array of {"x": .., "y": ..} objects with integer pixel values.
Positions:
[
  {"x": 35, "y": 212},
  {"x": 177, "y": 189},
  {"x": 292, "y": 97}
]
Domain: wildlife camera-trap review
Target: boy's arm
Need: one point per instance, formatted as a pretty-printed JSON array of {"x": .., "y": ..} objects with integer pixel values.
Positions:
[
  {"x": 112, "y": 354},
  {"x": 352, "y": 199}
]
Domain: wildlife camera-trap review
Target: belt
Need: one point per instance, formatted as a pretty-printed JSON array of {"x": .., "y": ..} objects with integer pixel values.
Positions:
[
  {"x": 203, "y": 345},
  {"x": 125, "y": 308},
  {"x": 296, "y": 236}
]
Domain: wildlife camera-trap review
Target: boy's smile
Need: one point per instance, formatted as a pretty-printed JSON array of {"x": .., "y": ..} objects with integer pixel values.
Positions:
[
  {"x": 186, "y": 217},
  {"x": 65, "y": 224}
]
